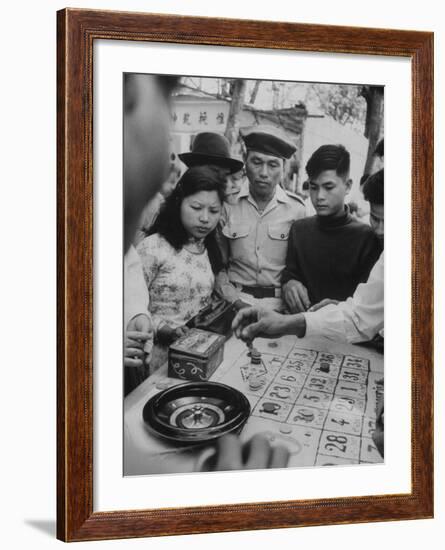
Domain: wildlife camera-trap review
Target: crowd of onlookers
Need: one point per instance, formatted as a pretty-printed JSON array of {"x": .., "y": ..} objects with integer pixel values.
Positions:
[{"x": 228, "y": 230}]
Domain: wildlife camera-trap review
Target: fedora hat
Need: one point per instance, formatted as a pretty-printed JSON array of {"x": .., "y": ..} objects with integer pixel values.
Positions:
[{"x": 211, "y": 148}]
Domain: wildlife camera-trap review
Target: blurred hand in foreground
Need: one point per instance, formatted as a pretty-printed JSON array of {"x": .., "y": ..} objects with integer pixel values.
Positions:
[{"x": 231, "y": 454}]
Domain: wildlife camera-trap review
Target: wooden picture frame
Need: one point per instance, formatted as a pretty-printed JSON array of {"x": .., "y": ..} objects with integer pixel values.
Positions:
[{"x": 77, "y": 31}]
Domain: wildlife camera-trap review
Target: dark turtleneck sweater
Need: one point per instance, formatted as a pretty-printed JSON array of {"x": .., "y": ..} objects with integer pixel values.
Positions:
[{"x": 330, "y": 256}]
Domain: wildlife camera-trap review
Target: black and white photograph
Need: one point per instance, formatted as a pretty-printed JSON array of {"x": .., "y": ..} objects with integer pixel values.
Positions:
[
  {"x": 193, "y": 245},
  {"x": 253, "y": 330}
]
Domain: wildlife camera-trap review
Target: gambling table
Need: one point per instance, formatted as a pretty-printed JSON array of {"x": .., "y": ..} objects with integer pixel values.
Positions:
[{"x": 318, "y": 398}]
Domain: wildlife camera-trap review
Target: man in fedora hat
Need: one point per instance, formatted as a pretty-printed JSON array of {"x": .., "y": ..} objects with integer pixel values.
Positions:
[
  {"x": 208, "y": 149},
  {"x": 212, "y": 149},
  {"x": 256, "y": 227}
]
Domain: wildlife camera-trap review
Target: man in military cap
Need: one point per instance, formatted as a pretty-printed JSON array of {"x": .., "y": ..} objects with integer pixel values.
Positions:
[{"x": 256, "y": 228}]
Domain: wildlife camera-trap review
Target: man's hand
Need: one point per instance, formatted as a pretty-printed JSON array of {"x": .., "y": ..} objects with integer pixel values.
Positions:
[
  {"x": 255, "y": 321},
  {"x": 323, "y": 303},
  {"x": 296, "y": 296},
  {"x": 231, "y": 454},
  {"x": 138, "y": 341}
]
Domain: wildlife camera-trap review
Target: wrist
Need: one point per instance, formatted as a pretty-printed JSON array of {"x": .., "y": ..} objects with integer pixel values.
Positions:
[{"x": 296, "y": 325}]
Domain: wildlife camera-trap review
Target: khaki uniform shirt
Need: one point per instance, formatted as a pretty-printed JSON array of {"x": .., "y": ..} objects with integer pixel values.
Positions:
[{"x": 257, "y": 242}]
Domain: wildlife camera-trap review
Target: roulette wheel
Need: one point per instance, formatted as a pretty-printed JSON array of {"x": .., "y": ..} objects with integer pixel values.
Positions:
[{"x": 196, "y": 412}]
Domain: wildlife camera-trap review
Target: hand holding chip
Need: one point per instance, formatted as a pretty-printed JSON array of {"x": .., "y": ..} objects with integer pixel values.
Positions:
[
  {"x": 138, "y": 341},
  {"x": 255, "y": 321}
]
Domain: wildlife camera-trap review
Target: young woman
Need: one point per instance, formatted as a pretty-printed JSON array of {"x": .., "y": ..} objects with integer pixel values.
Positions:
[{"x": 181, "y": 258}]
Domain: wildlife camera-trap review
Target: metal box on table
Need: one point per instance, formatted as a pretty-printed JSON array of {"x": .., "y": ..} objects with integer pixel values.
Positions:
[{"x": 196, "y": 355}]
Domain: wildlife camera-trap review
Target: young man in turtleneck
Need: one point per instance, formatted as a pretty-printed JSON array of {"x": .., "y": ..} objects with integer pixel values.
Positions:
[{"x": 330, "y": 253}]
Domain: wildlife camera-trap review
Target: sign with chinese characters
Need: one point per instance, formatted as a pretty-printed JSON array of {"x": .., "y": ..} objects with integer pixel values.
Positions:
[{"x": 202, "y": 116}]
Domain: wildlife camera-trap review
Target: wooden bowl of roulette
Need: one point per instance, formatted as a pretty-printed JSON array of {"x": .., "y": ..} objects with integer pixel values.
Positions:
[{"x": 196, "y": 412}]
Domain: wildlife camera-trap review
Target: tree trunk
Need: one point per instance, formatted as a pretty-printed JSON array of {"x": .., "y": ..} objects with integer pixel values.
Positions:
[
  {"x": 275, "y": 96},
  {"x": 238, "y": 92},
  {"x": 374, "y": 120},
  {"x": 254, "y": 92}
]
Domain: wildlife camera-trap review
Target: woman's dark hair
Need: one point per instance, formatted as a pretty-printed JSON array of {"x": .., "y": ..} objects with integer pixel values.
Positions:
[{"x": 169, "y": 224}]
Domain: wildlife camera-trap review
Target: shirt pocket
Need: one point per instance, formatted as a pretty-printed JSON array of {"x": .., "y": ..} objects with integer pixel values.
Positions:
[
  {"x": 279, "y": 231},
  {"x": 277, "y": 237},
  {"x": 235, "y": 231},
  {"x": 240, "y": 244}
]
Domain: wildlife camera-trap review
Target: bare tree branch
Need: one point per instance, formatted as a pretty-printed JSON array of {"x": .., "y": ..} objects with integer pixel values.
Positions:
[{"x": 255, "y": 92}]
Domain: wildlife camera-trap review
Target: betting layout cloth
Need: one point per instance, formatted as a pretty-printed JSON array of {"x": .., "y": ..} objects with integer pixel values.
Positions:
[
  {"x": 321, "y": 405},
  {"x": 315, "y": 396}
]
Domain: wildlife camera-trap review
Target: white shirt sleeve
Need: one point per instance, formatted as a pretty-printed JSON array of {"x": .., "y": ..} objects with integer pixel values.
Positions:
[
  {"x": 357, "y": 319},
  {"x": 136, "y": 297}
]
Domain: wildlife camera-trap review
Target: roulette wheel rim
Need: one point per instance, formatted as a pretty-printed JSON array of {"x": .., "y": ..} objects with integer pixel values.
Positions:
[{"x": 196, "y": 412}]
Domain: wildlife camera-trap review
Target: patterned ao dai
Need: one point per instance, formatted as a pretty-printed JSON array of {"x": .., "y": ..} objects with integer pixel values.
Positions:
[{"x": 180, "y": 283}]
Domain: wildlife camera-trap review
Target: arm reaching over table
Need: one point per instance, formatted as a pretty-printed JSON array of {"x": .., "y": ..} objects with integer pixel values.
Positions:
[
  {"x": 254, "y": 322},
  {"x": 357, "y": 319}
]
